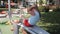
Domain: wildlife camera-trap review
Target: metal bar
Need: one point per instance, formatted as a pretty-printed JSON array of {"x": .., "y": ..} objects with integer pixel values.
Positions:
[
  {"x": 9, "y": 12},
  {"x": 0, "y": 31},
  {"x": 16, "y": 29}
]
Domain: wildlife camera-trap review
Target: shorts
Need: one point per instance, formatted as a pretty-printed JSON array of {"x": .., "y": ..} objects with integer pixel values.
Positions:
[{"x": 26, "y": 23}]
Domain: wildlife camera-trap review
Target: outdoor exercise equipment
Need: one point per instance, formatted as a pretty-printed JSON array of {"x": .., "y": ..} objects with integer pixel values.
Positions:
[
  {"x": 33, "y": 30},
  {"x": 9, "y": 11}
]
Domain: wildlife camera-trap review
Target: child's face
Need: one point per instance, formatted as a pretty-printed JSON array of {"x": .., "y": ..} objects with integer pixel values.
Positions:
[{"x": 31, "y": 12}]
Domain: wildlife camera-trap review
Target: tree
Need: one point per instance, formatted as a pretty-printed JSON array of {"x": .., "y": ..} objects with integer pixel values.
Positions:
[{"x": 40, "y": 2}]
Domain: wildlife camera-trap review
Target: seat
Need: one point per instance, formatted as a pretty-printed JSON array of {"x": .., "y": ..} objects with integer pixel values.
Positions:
[{"x": 34, "y": 30}]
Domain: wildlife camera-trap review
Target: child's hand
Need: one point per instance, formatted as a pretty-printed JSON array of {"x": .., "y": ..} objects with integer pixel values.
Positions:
[
  {"x": 22, "y": 16},
  {"x": 12, "y": 29}
]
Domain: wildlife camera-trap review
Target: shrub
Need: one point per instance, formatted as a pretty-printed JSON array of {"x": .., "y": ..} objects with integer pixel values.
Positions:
[
  {"x": 5, "y": 9},
  {"x": 57, "y": 9},
  {"x": 43, "y": 8}
]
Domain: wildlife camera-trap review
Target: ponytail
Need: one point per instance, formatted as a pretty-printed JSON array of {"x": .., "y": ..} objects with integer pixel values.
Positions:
[{"x": 36, "y": 7}]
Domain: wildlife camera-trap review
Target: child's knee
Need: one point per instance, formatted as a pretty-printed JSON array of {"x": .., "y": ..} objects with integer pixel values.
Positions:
[
  {"x": 23, "y": 31},
  {"x": 16, "y": 21},
  {"x": 12, "y": 29}
]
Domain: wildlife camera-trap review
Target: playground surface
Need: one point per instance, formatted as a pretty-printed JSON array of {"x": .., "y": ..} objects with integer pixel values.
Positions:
[{"x": 5, "y": 29}]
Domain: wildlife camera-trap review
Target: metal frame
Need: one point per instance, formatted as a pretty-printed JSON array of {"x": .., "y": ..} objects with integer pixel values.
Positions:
[{"x": 16, "y": 26}]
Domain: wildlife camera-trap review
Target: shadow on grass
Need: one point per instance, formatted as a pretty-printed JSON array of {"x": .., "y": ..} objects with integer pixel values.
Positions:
[{"x": 51, "y": 22}]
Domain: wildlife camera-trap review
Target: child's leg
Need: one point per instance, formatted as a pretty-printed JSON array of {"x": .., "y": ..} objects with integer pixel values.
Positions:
[
  {"x": 15, "y": 22},
  {"x": 23, "y": 31}
]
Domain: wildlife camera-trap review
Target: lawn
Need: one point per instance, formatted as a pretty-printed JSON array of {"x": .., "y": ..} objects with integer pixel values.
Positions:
[{"x": 6, "y": 29}]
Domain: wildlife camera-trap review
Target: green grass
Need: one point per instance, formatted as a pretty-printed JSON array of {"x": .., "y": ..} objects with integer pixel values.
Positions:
[
  {"x": 6, "y": 9},
  {"x": 6, "y": 29}
]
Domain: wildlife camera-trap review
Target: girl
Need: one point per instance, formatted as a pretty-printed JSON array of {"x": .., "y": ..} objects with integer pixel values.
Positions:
[
  {"x": 35, "y": 16},
  {"x": 33, "y": 19}
]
